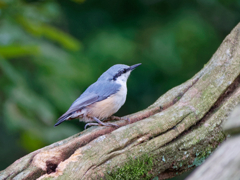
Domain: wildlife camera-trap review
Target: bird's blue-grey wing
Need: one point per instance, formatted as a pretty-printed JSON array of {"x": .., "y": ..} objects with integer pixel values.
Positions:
[
  {"x": 102, "y": 89},
  {"x": 94, "y": 93}
]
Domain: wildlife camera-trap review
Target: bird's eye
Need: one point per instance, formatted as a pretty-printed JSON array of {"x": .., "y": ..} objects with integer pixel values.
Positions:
[{"x": 124, "y": 71}]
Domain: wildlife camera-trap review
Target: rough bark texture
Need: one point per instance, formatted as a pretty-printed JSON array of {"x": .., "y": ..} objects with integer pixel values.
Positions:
[
  {"x": 171, "y": 136},
  {"x": 224, "y": 163}
]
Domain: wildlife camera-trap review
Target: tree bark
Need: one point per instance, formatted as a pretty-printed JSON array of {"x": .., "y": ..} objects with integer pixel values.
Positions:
[
  {"x": 172, "y": 136},
  {"x": 224, "y": 163}
]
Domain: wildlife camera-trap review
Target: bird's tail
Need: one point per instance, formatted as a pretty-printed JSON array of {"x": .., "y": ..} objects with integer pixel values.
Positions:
[
  {"x": 64, "y": 117},
  {"x": 60, "y": 121}
]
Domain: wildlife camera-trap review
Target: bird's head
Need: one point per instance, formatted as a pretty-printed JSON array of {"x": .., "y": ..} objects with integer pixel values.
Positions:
[{"x": 118, "y": 73}]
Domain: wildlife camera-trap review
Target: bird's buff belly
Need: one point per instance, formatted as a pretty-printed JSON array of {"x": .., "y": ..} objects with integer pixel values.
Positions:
[{"x": 105, "y": 108}]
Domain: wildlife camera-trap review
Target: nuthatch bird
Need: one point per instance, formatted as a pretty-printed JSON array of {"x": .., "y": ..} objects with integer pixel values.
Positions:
[{"x": 102, "y": 99}]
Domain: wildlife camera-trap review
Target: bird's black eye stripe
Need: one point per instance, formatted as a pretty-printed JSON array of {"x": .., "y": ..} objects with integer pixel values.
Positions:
[{"x": 119, "y": 74}]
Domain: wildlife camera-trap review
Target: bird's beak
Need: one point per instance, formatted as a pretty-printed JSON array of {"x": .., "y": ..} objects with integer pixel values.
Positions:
[{"x": 134, "y": 66}]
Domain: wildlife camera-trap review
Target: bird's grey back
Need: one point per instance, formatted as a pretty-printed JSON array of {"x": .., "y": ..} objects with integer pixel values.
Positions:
[{"x": 102, "y": 89}]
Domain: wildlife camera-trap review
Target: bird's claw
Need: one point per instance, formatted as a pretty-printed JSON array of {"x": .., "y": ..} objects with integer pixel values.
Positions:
[
  {"x": 90, "y": 124},
  {"x": 105, "y": 124},
  {"x": 100, "y": 123}
]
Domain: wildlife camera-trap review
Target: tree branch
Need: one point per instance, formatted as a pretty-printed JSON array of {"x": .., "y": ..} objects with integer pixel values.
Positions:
[{"x": 171, "y": 136}]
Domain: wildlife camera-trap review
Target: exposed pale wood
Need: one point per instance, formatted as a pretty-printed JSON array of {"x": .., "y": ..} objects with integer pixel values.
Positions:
[
  {"x": 232, "y": 126},
  {"x": 178, "y": 131}
]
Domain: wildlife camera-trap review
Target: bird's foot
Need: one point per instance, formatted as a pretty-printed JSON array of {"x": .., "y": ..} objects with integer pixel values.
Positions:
[
  {"x": 104, "y": 124},
  {"x": 126, "y": 119},
  {"x": 100, "y": 123},
  {"x": 90, "y": 124}
]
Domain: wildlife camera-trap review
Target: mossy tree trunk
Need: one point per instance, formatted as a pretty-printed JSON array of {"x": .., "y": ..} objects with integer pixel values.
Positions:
[{"x": 171, "y": 136}]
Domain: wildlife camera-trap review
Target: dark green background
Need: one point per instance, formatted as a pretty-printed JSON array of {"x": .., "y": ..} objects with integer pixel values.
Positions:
[{"x": 51, "y": 51}]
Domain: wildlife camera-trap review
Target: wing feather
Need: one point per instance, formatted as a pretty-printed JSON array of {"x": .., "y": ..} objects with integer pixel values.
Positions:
[{"x": 96, "y": 92}]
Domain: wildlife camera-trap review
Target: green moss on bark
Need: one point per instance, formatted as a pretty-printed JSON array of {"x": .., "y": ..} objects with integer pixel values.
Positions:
[{"x": 135, "y": 169}]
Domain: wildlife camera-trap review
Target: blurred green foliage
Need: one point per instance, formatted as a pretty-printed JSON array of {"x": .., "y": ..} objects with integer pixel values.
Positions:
[{"x": 51, "y": 51}]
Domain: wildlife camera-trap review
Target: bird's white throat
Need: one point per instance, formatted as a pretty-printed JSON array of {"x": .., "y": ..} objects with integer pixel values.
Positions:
[{"x": 123, "y": 78}]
